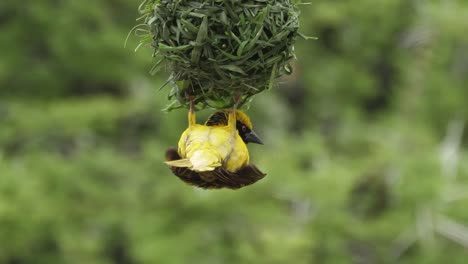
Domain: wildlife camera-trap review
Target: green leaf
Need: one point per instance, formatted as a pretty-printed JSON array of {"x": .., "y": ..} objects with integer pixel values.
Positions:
[
  {"x": 164, "y": 47},
  {"x": 233, "y": 68},
  {"x": 202, "y": 34},
  {"x": 240, "y": 50}
]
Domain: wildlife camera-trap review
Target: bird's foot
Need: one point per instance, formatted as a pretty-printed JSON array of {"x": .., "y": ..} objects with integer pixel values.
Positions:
[
  {"x": 191, "y": 99},
  {"x": 237, "y": 101}
]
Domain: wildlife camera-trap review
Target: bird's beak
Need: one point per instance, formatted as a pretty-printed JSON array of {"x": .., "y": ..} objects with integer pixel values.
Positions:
[{"x": 253, "y": 138}]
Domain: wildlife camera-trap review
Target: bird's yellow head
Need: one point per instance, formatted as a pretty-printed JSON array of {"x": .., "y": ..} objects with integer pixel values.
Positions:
[
  {"x": 243, "y": 124},
  {"x": 242, "y": 118}
]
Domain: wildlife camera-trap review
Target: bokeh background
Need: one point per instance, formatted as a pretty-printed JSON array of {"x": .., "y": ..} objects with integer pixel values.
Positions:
[{"x": 366, "y": 143}]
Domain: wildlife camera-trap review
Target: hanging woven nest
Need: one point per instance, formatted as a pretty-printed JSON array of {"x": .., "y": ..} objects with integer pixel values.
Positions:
[{"x": 220, "y": 49}]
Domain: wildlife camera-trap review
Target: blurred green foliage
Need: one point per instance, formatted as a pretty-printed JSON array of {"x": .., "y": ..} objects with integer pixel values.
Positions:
[
  {"x": 63, "y": 48},
  {"x": 366, "y": 144}
]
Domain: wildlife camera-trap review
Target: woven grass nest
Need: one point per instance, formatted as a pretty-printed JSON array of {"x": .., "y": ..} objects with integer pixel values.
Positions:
[{"x": 218, "y": 50}]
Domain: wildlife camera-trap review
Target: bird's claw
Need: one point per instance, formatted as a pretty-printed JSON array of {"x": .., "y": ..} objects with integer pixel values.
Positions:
[
  {"x": 237, "y": 100},
  {"x": 191, "y": 99}
]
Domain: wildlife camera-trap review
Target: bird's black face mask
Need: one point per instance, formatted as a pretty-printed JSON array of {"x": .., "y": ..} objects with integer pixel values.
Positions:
[{"x": 247, "y": 134}]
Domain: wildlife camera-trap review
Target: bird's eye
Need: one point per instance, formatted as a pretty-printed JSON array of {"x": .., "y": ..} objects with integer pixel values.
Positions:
[{"x": 244, "y": 128}]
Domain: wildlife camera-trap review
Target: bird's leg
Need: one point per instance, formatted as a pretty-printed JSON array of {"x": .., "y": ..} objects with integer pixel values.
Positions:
[{"x": 192, "y": 119}]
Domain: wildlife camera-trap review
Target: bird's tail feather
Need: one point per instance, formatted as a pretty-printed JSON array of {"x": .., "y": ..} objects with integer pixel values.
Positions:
[
  {"x": 180, "y": 163},
  {"x": 200, "y": 160},
  {"x": 186, "y": 163}
]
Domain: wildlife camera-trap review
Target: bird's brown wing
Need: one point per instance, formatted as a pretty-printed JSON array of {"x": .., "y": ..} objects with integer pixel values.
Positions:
[
  {"x": 246, "y": 175},
  {"x": 217, "y": 179}
]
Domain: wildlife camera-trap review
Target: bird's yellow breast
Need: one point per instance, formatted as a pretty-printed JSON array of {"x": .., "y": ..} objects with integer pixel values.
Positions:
[{"x": 213, "y": 146}]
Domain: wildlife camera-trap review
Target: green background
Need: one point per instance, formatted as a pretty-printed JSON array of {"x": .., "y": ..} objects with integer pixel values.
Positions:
[{"x": 366, "y": 144}]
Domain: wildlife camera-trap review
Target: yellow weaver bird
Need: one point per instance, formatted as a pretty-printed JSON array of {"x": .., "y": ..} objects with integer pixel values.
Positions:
[{"x": 215, "y": 155}]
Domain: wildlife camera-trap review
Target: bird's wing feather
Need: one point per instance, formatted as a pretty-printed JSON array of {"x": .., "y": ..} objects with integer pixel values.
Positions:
[
  {"x": 247, "y": 175},
  {"x": 217, "y": 119},
  {"x": 218, "y": 178}
]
